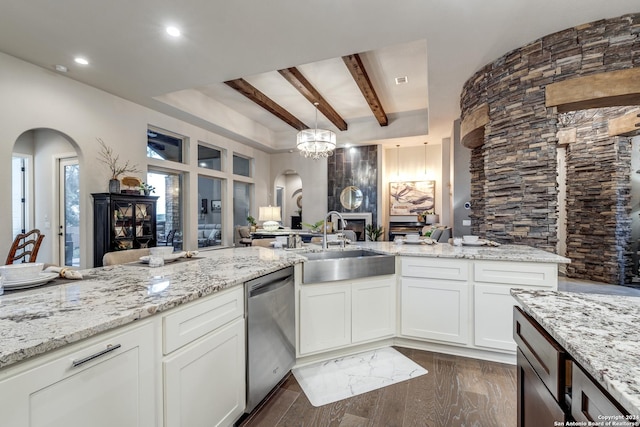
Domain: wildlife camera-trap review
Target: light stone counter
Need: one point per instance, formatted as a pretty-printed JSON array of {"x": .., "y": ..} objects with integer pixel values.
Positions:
[
  {"x": 42, "y": 319},
  {"x": 600, "y": 332},
  {"x": 445, "y": 250}
]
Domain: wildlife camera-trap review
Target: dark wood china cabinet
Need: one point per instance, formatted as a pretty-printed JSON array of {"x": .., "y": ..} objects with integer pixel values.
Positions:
[{"x": 122, "y": 221}]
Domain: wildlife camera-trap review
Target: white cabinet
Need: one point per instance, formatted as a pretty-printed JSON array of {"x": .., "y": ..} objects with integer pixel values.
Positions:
[
  {"x": 492, "y": 315},
  {"x": 337, "y": 314},
  {"x": 204, "y": 371},
  {"x": 493, "y": 303},
  {"x": 204, "y": 382},
  {"x": 435, "y": 309},
  {"x": 435, "y": 299},
  {"x": 108, "y": 380},
  {"x": 325, "y": 316},
  {"x": 373, "y": 309}
]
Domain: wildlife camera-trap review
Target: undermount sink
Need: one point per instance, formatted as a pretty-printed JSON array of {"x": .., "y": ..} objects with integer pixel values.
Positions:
[{"x": 328, "y": 266}]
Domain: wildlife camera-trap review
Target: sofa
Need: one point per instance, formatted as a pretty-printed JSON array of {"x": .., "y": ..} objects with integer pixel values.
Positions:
[{"x": 209, "y": 235}]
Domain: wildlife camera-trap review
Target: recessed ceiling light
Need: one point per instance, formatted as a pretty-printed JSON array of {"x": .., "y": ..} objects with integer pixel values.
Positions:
[
  {"x": 81, "y": 61},
  {"x": 173, "y": 31},
  {"x": 402, "y": 80},
  {"x": 61, "y": 68}
]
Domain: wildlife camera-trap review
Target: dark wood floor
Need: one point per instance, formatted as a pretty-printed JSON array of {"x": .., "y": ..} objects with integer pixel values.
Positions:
[{"x": 457, "y": 391}]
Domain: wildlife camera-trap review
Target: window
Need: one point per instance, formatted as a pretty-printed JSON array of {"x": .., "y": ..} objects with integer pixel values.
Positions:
[
  {"x": 210, "y": 217},
  {"x": 241, "y": 165},
  {"x": 241, "y": 202},
  {"x": 69, "y": 185},
  {"x": 164, "y": 146},
  {"x": 209, "y": 158},
  {"x": 169, "y": 221}
]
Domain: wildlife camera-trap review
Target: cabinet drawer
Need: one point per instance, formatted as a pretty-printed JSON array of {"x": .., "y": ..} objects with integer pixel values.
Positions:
[
  {"x": 438, "y": 268},
  {"x": 588, "y": 402},
  {"x": 546, "y": 357},
  {"x": 516, "y": 273},
  {"x": 187, "y": 324}
]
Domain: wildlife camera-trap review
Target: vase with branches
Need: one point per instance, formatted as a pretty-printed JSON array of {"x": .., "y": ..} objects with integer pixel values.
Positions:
[{"x": 116, "y": 167}]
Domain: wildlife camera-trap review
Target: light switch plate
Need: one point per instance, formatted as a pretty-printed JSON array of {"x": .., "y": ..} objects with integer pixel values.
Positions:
[{"x": 466, "y": 222}]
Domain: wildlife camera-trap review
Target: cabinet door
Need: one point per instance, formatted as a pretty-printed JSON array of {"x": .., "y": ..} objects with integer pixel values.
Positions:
[
  {"x": 145, "y": 230},
  {"x": 115, "y": 388},
  {"x": 536, "y": 406},
  {"x": 205, "y": 380},
  {"x": 124, "y": 227},
  {"x": 325, "y": 317},
  {"x": 435, "y": 309},
  {"x": 493, "y": 317},
  {"x": 373, "y": 309},
  {"x": 589, "y": 403}
]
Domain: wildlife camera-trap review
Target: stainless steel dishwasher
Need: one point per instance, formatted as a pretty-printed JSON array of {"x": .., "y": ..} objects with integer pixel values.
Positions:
[{"x": 271, "y": 351}]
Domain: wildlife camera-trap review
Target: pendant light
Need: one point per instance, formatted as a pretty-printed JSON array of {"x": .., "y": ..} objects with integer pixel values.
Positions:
[
  {"x": 316, "y": 143},
  {"x": 398, "y": 160}
]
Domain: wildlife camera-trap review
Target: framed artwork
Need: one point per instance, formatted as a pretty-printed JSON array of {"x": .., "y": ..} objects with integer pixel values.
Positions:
[
  {"x": 411, "y": 197},
  {"x": 216, "y": 205}
]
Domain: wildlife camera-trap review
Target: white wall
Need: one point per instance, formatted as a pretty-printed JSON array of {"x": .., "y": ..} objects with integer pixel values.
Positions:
[
  {"x": 408, "y": 164},
  {"x": 36, "y": 98},
  {"x": 313, "y": 174}
]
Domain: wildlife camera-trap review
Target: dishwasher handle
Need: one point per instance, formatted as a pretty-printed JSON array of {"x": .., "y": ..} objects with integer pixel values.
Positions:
[{"x": 262, "y": 288}]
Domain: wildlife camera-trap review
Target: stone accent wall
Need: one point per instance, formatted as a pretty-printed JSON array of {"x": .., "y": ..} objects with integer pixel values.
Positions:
[
  {"x": 598, "y": 199},
  {"x": 354, "y": 166},
  {"x": 516, "y": 199}
]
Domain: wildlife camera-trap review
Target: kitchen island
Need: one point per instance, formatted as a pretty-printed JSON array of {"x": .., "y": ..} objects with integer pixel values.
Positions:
[
  {"x": 144, "y": 338},
  {"x": 598, "y": 332},
  {"x": 35, "y": 321}
]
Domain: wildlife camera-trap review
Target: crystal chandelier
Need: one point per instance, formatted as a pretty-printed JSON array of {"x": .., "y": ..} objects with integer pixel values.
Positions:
[{"x": 316, "y": 143}]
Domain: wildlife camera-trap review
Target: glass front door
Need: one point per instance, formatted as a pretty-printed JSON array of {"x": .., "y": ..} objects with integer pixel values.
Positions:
[{"x": 69, "y": 233}]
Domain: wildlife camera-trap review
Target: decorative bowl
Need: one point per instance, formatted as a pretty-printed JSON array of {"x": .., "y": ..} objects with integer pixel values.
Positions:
[{"x": 24, "y": 271}]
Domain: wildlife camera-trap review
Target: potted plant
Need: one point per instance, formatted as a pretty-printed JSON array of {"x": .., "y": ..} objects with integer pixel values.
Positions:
[
  {"x": 315, "y": 227},
  {"x": 373, "y": 232},
  {"x": 252, "y": 223},
  {"x": 431, "y": 217},
  {"x": 147, "y": 188},
  {"x": 112, "y": 161}
]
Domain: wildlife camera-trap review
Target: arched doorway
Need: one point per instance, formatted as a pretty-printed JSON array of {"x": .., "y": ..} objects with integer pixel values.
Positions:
[{"x": 46, "y": 193}]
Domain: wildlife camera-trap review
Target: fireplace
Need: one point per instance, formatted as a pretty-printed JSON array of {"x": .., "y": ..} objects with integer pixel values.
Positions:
[{"x": 355, "y": 222}]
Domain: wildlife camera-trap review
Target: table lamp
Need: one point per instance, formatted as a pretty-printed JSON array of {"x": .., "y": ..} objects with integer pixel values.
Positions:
[{"x": 270, "y": 215}]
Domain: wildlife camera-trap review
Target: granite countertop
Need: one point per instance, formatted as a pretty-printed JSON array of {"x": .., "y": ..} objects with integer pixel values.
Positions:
[
  {"x": 43, "y": 319},
  {"x": 600, "y": 332},
  {"x": 445, "y": 250}
]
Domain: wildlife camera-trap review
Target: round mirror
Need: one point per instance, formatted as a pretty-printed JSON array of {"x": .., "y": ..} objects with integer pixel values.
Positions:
[{"x": 351, "y": 197}]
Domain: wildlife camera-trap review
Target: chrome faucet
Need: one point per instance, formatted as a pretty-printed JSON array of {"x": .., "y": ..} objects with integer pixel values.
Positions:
[{"x": 324, "y": 235}]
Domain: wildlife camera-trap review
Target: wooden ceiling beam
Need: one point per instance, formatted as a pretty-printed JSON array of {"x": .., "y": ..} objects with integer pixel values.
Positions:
[
  {"x": 245, "y": 88},
  {"x": 297, "y": 80},
  {"x": 359, "y": 74}
]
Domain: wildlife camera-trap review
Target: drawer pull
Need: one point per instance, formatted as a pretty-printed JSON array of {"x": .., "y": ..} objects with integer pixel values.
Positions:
[{"x": 84, "y": 360}]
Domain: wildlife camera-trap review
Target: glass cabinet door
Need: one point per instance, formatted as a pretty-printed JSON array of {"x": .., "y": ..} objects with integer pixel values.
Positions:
[
  {"x": 143, "y": 224},
  {"x": 123, "y": 225}
]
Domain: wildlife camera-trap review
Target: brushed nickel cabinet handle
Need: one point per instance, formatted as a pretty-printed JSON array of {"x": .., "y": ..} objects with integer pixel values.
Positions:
[{"x": 84, "y": 360}]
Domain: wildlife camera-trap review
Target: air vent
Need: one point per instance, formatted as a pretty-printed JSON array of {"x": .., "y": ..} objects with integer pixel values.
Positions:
[{"x": 401, "y": 80}]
